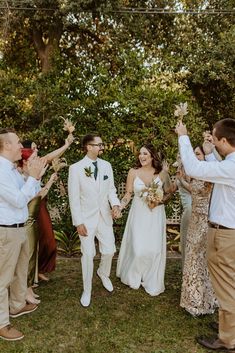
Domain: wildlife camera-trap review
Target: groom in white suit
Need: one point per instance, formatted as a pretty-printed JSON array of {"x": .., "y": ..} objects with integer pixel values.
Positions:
[{"x": 91, "y": 193}]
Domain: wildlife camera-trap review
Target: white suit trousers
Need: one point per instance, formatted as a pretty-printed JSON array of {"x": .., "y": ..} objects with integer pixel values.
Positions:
[{"x": 104, "y": 234}]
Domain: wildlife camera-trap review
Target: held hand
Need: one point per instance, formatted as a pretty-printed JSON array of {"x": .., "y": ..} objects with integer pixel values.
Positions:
[
  {"x": 116, "y": 212},
  {"x": 180, "y": 129},
  {"x": 81, "y": 229}
]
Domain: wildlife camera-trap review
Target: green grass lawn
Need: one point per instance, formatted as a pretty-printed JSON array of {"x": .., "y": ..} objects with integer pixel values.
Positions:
[{"x": 125, "y": 321}]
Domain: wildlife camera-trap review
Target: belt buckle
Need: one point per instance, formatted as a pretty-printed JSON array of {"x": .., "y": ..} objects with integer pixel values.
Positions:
[{"x": 214, "y": 225}]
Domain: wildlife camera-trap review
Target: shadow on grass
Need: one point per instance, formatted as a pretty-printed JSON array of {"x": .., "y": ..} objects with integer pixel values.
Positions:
[{"x": 125, "y": 321}]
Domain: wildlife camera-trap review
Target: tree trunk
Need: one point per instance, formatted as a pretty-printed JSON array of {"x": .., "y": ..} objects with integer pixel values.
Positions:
[{"x": 47, "y": 47}]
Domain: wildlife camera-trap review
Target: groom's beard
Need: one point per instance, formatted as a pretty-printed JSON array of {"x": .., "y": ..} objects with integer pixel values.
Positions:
[{"x": 100, "y": 152}]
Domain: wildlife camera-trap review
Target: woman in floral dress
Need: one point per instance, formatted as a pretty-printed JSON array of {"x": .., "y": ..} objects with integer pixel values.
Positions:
[{"x": 197, "y": 294}]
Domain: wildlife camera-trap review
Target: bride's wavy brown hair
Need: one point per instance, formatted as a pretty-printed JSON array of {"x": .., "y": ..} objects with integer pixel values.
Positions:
[{"x": 156, "y": 161}]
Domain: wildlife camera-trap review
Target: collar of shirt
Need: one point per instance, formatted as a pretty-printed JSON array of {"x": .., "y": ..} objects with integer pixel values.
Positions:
[
  {"x": 6, "y": 163},
  {"x": 91, "y": 160},
  {"x": 230, "y": 156}
]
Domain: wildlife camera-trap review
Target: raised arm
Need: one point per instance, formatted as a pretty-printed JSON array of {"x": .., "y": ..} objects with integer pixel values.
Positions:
[
  {"x": 215, "y": 172},
  {"x": 59, "y": 151},
  {"x": 44, "y": 191}
]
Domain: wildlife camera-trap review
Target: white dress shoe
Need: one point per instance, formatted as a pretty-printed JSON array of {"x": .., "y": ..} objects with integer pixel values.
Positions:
[
  {"x": 105, "y": 281},
  {"x": 85, "y": 299}
]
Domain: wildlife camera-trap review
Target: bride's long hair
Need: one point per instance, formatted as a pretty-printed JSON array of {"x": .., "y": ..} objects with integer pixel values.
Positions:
[{"x": 156, "y": 158}]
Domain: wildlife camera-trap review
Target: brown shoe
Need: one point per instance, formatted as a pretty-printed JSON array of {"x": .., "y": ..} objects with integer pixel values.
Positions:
[
  {"x": 27, "y": 309},
  {"x": 9, "y": 333},
  {"x": 214, "y": 343},
  {"x": 214, "y": 326}
]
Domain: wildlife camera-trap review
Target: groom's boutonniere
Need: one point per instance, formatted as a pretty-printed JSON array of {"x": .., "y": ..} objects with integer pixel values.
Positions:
[{"x": 88, "y": 171}]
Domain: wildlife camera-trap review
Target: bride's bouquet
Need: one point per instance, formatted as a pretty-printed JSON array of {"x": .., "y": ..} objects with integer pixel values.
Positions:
[{"x": 152, "y": 194}]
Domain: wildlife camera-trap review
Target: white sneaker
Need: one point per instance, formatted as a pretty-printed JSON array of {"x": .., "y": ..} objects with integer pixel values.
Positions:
[
  {"x": 85, "y": 299},
  {"x": 106, "y": 282}
]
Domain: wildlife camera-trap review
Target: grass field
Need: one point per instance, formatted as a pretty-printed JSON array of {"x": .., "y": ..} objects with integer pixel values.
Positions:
[{"x": 125, "y": 321}]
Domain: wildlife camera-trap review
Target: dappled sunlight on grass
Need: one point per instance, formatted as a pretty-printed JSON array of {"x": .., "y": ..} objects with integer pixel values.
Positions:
[{"x": 125, "y": 321}]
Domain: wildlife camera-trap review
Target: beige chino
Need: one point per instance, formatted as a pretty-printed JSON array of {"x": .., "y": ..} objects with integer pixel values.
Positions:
[
  {"x": 221, "y": 264},
  {"x": 14, "y": 258}
]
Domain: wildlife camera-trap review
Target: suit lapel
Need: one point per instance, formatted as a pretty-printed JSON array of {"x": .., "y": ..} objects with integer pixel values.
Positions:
[{"x": 89, "y": 179}]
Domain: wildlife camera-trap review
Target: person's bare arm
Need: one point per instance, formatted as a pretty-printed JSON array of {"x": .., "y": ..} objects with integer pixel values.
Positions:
[
  {"x": 59, "y": 151},
  {"x": 129, "y": 189},
  {"x": 44, "y": 191}
]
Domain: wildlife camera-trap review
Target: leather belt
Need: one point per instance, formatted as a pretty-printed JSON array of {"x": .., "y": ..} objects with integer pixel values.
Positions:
[
  {"x": 218, "y": 226},
  {"x": 16, "y": 225}
]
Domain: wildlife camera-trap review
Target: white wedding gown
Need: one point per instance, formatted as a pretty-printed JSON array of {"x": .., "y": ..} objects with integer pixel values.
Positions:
[{"x": 142, "y": 256}]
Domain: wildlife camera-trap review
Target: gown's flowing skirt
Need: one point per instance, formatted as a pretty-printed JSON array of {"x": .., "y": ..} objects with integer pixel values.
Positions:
[{"x": 142, "y": 256}]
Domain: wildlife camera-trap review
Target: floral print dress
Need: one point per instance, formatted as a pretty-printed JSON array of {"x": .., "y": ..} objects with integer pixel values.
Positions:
[{"x": 197, "y": 294}]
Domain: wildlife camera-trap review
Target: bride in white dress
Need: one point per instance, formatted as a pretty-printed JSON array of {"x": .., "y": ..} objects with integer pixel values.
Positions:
[{"x": 142, "y": 255}]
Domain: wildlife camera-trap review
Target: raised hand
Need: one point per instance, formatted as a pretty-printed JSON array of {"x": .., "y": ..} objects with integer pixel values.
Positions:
[
  {"x": 165, "y": 166},
  {"x": 116, "y": 212},
  {"x": 208, "y": 145},
  {"x": 207, "y": 136},
  {"x": 36, "y": 167},
  {"x": 69, "y": 140},
  {"x": 181, "y": 129}
]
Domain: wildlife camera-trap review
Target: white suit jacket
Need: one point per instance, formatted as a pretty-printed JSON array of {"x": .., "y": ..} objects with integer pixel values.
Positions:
[{"x": 90, "y": 198}]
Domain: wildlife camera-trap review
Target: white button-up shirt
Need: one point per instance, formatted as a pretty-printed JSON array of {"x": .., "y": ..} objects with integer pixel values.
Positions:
[
  {"x": 90, "y": 163},
  {"x": 15, "y": 193},
  {"x": 221, "y": 173}
]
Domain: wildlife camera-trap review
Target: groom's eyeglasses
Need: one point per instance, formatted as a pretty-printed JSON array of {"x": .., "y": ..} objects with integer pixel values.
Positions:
[{"x": 96, "y": 144}]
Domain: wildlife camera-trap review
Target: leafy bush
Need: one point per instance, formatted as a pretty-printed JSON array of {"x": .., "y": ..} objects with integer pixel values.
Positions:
[{"x": 68, "y": 244}]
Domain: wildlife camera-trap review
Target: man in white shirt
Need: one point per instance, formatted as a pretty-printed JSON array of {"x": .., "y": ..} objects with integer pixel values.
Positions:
[
  {"x": 15, "y": 194},
  {"x": 221, "y": 232},
  {"x": 91, "y": 192}
]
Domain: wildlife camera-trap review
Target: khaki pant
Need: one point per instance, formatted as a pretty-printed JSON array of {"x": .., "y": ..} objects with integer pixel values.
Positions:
[
  {"x": 14, "y": 260},
  {"x": 221, "y": 263}
]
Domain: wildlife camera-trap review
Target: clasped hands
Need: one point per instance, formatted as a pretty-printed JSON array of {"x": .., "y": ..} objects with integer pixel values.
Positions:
[
  {"x": 82, "y": 230},
  {"x": 116, "y": 212},
  {"x": 36, "y": 166}
]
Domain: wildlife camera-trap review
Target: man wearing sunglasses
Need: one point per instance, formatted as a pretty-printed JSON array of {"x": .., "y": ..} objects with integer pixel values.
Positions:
[{"x": 93, "y": 203}]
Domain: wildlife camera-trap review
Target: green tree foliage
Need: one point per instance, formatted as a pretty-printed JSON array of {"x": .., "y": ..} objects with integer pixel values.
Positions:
[{"x": 116, "y": 71}]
